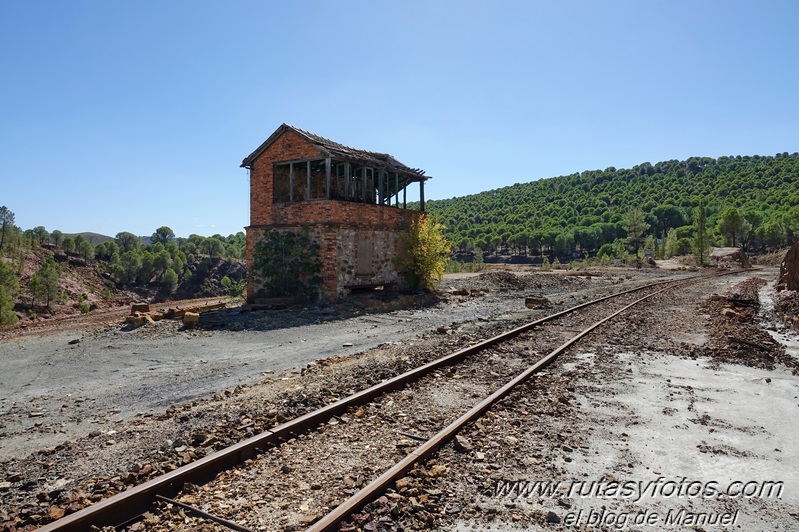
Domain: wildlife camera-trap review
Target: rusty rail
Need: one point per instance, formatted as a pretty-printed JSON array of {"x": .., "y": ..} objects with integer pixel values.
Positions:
[
  {"x": 126, "y": 506},
  {"x": 424, "y": 451}
]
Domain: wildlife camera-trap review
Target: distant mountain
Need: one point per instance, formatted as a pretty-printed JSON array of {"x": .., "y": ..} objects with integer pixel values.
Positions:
[{"x": 94, "y": 238}]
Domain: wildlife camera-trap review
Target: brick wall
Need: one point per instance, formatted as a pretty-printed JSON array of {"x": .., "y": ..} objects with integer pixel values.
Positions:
[
  {"x": 337, "y": 226},
  {"x": 384, "y": 248},
  {"x": 287, "y": 147},
  {"x": 340, "y": 213}
]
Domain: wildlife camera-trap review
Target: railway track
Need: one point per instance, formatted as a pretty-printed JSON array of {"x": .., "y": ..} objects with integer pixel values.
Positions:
[{"x": 355, "y": 436}]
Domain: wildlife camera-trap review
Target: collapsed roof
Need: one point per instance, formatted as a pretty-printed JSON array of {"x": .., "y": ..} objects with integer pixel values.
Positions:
[{"x": 340, "y": 152}]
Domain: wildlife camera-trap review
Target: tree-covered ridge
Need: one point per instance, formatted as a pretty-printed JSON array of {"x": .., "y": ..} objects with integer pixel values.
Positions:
[
  {"x": 582, "y": 212},
  {"x": 33, "y": 261}
]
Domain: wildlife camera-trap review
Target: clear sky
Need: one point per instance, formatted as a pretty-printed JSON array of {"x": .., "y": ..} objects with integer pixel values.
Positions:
[{"x": 126, "y": 116}]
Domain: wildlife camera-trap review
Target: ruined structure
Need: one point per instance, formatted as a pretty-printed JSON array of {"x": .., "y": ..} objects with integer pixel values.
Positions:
[
  {"x": 789, "y": 270},
  {"x": 353, "y": 202},
  {"x": 725, "y": 257}
]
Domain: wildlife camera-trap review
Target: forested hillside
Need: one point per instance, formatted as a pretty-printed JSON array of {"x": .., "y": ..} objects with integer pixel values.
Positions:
[
  {"x": 45, "y": 273},
  {"x": 751, "y": 201}
]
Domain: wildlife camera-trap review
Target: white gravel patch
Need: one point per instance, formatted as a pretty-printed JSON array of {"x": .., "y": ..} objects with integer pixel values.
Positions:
[{"x": 676, "y": 421}]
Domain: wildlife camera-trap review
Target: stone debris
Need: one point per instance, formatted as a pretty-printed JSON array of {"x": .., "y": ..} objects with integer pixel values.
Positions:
[
  {"x": 141, "y": 314},
  {"x": 463, "y": 444},
  {"x": 789, "y": 270},
  {"x": 190, "y": 319},
  {"x": 537, "y": 302},
  {"x": 725, "y": 257},
  {"x": 141, "y": 308}
]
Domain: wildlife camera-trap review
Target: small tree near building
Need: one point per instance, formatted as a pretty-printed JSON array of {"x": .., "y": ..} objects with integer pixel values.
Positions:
[{"x": 424, "y": 253}]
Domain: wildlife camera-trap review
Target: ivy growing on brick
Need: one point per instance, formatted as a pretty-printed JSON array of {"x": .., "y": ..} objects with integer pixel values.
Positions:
[{"x": 288, "y": 264}]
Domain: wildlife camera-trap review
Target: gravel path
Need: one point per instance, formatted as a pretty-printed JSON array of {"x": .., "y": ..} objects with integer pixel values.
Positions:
[
  {"x": 54, "y": 387},
  {"x": 242, "y": 372}
]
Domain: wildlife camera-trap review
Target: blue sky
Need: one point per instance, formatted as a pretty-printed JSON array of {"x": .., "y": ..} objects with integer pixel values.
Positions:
[{"x": 126, "y": 116}]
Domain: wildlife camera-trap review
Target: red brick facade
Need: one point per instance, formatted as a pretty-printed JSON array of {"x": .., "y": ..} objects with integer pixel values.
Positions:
[{"x": 343, "y": 229}]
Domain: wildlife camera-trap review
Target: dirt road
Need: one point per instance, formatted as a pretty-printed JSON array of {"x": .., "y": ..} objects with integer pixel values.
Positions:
[{"x": 61, "y": 385}]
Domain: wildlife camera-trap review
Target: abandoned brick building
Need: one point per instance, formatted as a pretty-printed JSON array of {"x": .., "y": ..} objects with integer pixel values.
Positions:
[{"x": 353, "y": 202}]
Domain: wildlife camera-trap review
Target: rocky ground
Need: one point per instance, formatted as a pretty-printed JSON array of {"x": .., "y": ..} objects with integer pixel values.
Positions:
[
  {"x": 178, "y": 395},
  {"x": 605, "y": 438}
]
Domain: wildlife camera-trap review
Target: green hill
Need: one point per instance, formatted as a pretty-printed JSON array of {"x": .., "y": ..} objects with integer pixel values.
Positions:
[
  {"x": 581, "y": 212},
  {"x": 93, "y": 238}
]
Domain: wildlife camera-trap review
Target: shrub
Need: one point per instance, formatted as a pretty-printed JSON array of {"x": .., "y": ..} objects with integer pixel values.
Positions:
[
  {"x": 169, "y": 281},
  {"x": 233, "y": 288},
  {"x": 7, "y": 314},
  {"x": 454, "y": 266},
  {"x": 424, "y": 253},
  {"x": 478, "y": 264},
  {"x": 605, "y": 250}
]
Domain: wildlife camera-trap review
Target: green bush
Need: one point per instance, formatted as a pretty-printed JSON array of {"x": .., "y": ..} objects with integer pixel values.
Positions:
[
  {"x": 288, "y": 263},
  {"x": 233, "y": 288},
  {"x": 478, "y": 264},
  {"x": 424, "y": 253},
  {"x": 169, "y": 281},
  {"x": 454, "y": 266},
  {"x": 7, "y": 314},
  {"x": 605, "y": 250}
]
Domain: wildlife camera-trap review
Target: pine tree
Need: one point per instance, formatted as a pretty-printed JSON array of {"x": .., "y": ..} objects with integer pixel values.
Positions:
[
  {"x": 44, "y": 282},
  {"x": 8, "y": 286},
  {"x": 701, "y": 240}
]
